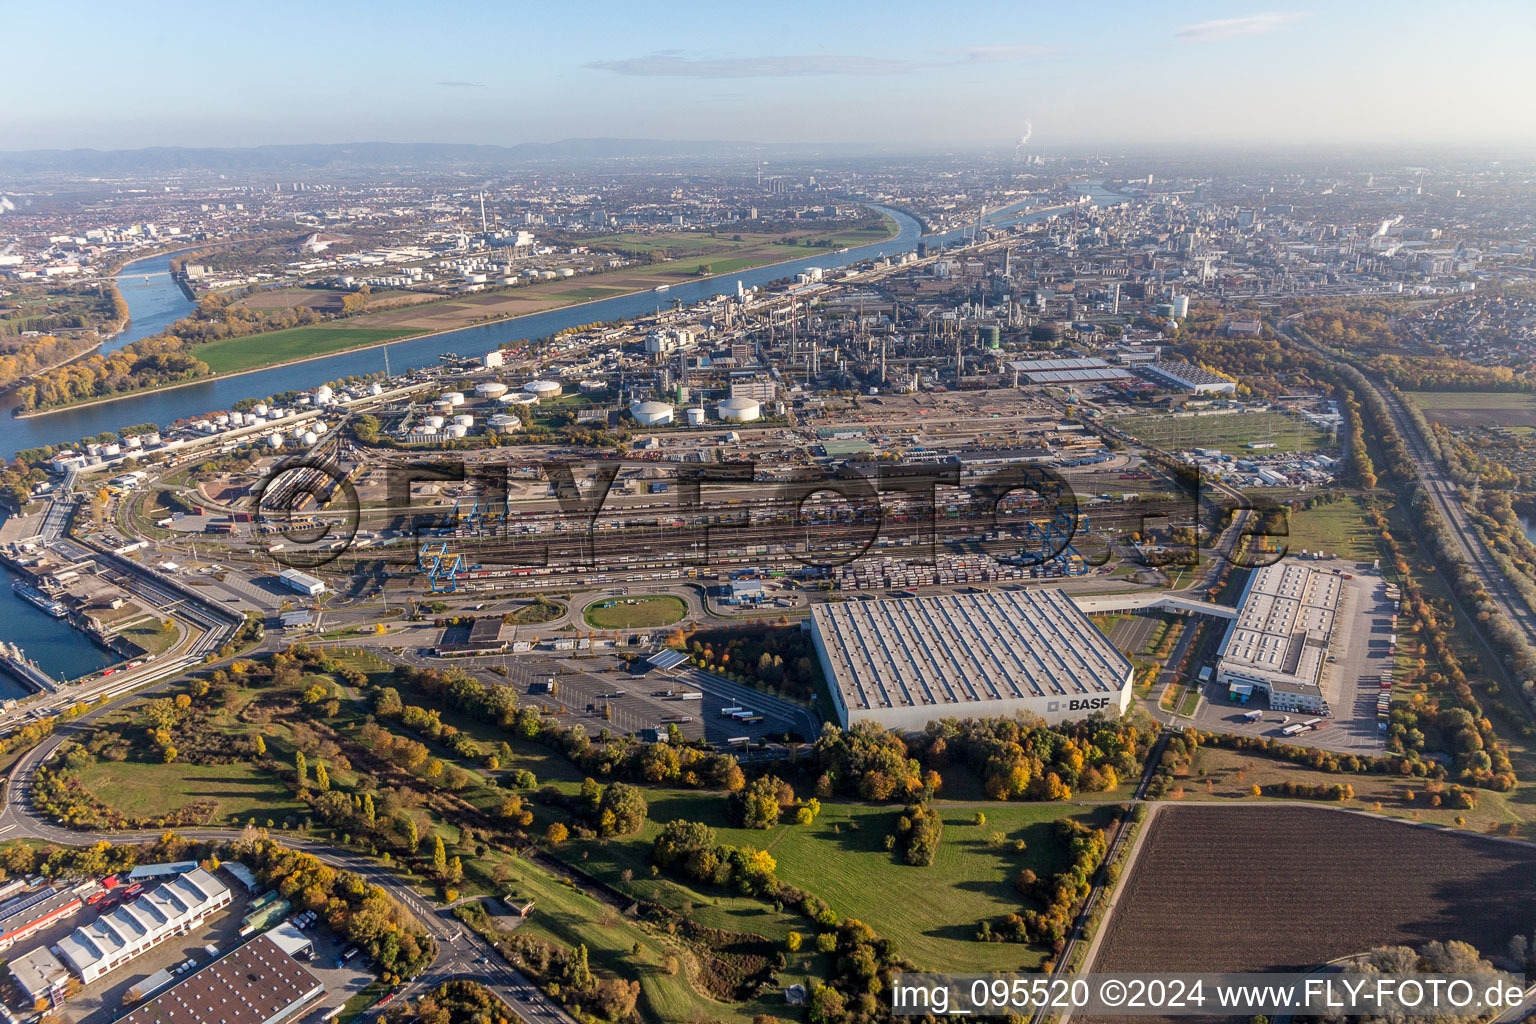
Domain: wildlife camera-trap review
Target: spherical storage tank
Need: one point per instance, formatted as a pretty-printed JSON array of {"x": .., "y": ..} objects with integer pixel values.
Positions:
[
  {"x": 543, "y": 388},
  {"x": 739, "y": 410},
  {"x": 490, "y": 389},
  {"x": 452, "y": 397},
  {"x": 310, "y": 437},
  {"x": 651, "y": 414},
  {"x": 324, "y": 394},
  {"x": 695, "y": 417},
  {"x": 274, "y": 440},
  {"x": 505, "y": 421}
]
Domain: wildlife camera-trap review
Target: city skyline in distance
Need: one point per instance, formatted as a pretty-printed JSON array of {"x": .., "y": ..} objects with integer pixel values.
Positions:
[{"x": 898, "y": 76}]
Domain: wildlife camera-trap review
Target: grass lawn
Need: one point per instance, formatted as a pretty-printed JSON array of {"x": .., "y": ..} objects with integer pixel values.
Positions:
[
  {"x": 139, "y": 789},
  {"x": 232, "y": 355},
  {"x": 535, "y": 612},
  {"x": 150, "y": 636},
  {"x": 1477, "y": 408},
  {"x": 1231, "y": 432},
  {"x": 1337, "y": 528},
  {"x": 1232, "y": 774},
  {"x": 635, "y": 612},
  {"x": 930, "y": 913},
  {"x": 568, "y": 916}
]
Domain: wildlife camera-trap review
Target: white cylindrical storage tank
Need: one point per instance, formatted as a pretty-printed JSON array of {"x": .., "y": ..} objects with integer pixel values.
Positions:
[
  {"x": 111, "y": 449},
  {"x": 237, "y": 419},
  {"x": 464, "y": 421},
  {"x": 133, "y": 442},
  {"x": 505, "y": 421},
  {"x": 490, "y": 389},
  {"x": 274, "y": 440},
  {"x": 695, "y": 417},
  {"x": 543, "y": 388},
  {"x": 453, "y": 397},
  {"x": 260, "y": 408},
  {"x": 94, "y": 448},
  {"x": 277, "y": 414},
  {"x": 310, "y": 437},
  {"x": 651, "y": 414},
  {"x": 590, "y": 386},
  {"x": 375, "y": 389},
  {"x": 153, "y": 437},
  {"x": 324, "y": 395},
  {"x": 221, "y": 419},
  {"x": 523, "y": 398},
  {"x": 436, "y": 422},
  {"x": 739, "y": 410},
  {"x": 456, "y": 430}
]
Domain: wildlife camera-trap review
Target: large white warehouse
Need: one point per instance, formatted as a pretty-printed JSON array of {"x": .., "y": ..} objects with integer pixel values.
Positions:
[
  {"x": 907, "y": 662},
  {"x": 1278, "y": 644},
  {"x": 651, "y": 414}
]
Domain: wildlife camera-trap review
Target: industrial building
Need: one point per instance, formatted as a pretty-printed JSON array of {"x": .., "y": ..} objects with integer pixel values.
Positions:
[
  {"x": 257, "y": 983},
  {"x": 906, "y": 662},
  {"x": 23, "y": 916},
  {"x": 41, "y": 975},
  {"x": 173, "y": 908},
  {"x": 1181, "y": 376},
  {"x": 1278, "y": 644},
  {"x": 303, "y": 582},
  {"x": 1067, "y": 371}
]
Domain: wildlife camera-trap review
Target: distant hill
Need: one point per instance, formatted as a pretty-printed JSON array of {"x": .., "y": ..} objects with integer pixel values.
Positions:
[{"x": 358, "y": 156}]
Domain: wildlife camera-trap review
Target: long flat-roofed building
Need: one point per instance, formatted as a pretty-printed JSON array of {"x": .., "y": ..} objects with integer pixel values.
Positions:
[
  {"x": 1278, "y": 644},
  {"x": 905, "y": 663},
  {"x": 258, "y": 983},
  {"x": 172, "y": 908}
]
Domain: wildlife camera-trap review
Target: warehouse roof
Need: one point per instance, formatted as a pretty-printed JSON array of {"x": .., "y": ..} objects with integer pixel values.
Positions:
[
  {"x": 1282, "y": 631},
  {"x": 255, "y": 984},
  {"x": 959, "y": 649}
]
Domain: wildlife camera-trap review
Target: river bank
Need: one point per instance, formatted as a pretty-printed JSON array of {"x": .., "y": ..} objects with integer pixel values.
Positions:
[{"x": 374, "y": 345}]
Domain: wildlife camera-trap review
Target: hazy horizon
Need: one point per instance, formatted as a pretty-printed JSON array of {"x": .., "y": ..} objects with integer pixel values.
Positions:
[{"x": 900, "y": 76}]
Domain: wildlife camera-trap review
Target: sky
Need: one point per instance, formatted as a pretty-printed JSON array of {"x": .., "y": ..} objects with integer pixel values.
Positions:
[{"x": 115, "y": 74}]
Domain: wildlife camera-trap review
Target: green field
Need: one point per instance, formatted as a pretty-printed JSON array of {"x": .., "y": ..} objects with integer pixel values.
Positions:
[
  {"x": 635, "y": 612},
  {"x": 1337, "y": 528},
  {"x": 233, "y": 355},
  {"x": 140, "y": 789},
  {"x": 1231, "y": 432},
  {"x": 1477, "y": 408},
  {"x": 930, "y": 913}
]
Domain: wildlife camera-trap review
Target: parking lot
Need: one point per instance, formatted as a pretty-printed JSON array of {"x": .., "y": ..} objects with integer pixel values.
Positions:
[{"x": 1360, "y": 651}]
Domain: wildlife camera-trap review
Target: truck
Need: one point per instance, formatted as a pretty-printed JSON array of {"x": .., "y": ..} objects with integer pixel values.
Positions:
[
  {"x": 1294, "y": 729},
  {"x": 690, "y": 695},
  {"x": 730, "y": 712},
  {"x": 1311, "y": 723},
  {"x": 1253, "y": 716}
]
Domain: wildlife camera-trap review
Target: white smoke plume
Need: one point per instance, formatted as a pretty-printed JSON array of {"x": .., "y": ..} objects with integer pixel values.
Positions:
[{"x": 1029, "y": 129}]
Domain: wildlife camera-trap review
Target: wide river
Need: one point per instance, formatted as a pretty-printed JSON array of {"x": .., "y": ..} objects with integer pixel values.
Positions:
[{"x": 155, "y": 303}]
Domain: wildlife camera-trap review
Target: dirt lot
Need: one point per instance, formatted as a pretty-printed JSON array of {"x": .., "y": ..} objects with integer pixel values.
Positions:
[{"x": 1275, "y": 888}]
